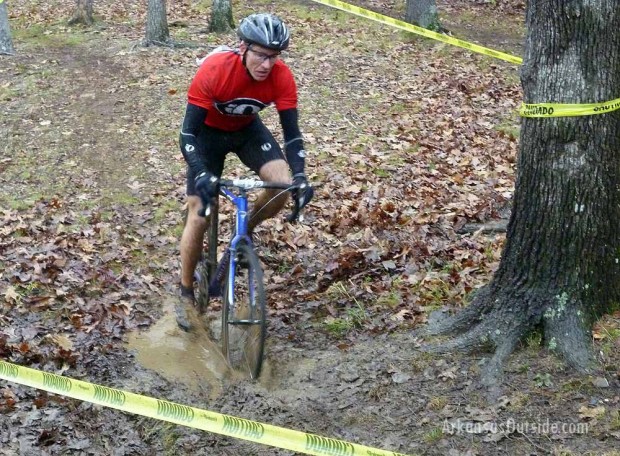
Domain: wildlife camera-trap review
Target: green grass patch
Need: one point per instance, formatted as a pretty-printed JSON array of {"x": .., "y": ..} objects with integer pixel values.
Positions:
[
  {"x": 433, "y": 436},
  {"x": 355, "y": 316},
  {"x": 41, "y": 36},
  {"x": 509, "y": 128}
]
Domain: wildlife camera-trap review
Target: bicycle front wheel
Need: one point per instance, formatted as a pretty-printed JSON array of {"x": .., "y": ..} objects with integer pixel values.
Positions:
[{"x": 243, "y": 314}]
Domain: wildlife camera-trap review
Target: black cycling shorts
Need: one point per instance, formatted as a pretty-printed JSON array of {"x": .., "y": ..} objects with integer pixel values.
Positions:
[{"x": 254, "y": 145}]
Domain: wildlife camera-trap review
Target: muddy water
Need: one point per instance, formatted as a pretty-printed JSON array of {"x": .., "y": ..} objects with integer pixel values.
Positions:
[{"x": 191, "y": 358}]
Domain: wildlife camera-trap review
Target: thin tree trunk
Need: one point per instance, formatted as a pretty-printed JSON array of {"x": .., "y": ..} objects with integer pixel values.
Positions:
[
  {"x": 221, "y": 16},
  {"x": 560, "y": 269},
  {"x": 6, "y": 43},
  {"x": 423, "y": 13},
  {"x": 156, "y": 23},
  {"x": 83, "y": 13}
]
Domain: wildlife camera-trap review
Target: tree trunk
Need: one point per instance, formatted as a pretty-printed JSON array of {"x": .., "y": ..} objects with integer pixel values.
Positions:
[
  {"x": 156, "y": 23},
  {"x": 560, "y": 268},
  {"x": 6, "y": 43},
  {"x": 221, "y": 16},
  {"x": 83, "y": 13},
  {"x": 423, "y": 13}
]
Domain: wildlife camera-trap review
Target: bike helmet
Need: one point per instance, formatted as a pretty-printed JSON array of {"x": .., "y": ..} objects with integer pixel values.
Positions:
[{"x": 265, "y": 30}]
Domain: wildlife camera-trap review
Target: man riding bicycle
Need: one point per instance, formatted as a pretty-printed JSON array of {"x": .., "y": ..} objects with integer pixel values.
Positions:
[{"x": 229, "y": 89}]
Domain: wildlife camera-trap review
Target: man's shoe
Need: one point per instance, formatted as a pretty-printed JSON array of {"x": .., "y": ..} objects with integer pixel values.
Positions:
[{"x": 185, "y": 303}]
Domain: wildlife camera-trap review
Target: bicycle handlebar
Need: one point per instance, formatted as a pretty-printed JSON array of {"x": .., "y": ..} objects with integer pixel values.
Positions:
[{"x": 251, "y": 184}]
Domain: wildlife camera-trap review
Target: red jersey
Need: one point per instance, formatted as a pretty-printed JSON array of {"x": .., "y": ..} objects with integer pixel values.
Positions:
[{"x": 232, "y": 98}]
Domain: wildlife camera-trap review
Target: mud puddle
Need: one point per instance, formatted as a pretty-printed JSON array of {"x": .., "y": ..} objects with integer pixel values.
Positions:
[{"x": 191, "y": 358}]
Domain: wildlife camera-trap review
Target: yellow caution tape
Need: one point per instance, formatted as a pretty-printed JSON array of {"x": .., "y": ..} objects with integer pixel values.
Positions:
[
  {"x": 419, "y": 30},
  {"x": 527, "y": 110},
  {"x": 568, "y": 110},
  {"x": 187, "y": 416}
]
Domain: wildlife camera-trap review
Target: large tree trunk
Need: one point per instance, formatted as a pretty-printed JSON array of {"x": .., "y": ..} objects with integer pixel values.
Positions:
[
  {"x": 83, "y": 13},
  {"x": 423, "y": 13},
  {"x": 6, "y": 43},
  {"x": 560, "y": 268},
  {"x": 221, "y": 16},
  {"x": 156, "y": 23}
]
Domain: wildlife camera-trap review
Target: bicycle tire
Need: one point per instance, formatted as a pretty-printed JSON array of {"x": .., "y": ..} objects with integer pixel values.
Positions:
[
  {"x": 205, "y": 269},
  {"x": 244, "y": 319},
  {"x": 202, "y": 278}
]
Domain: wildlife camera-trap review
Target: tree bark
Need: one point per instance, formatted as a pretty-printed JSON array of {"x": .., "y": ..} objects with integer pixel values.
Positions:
[
  {"x": 423, "y": 13},
  {"x": 83, "y": 13},
  {"x": 221, "y": 17},
  {"x": 6, "y": 43},
  {"x": 560, "y": 268},
  {"x": 156, "y": 23}
]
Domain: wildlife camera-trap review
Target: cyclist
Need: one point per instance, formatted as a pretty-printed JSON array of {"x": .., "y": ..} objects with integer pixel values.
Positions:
[{"x": 224, "y": 99}]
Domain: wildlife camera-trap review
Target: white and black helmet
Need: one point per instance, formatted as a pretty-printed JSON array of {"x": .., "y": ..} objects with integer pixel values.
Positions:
[{"x": 265, "y": 30}]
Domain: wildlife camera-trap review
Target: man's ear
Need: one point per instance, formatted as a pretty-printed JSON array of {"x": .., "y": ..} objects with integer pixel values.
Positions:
[{"x": 243, "y": 46}]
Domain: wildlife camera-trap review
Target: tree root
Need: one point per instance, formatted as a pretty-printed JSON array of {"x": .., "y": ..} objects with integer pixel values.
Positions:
[
  {"x": 567, "y": 335},
  {"x": 474, "y": 340},
  {"x": 464, "y": 319},
  {"x": 493, "y": 370},
  {"x": 496, "y": 321},
  {"x": 170, "y": 44}
]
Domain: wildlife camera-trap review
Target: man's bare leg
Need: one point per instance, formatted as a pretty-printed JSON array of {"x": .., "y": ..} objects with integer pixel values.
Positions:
[
  {"x": 270, "y": 202},
  {"x": 191, "y": 241},
  {"x": 191, "y": 249}
]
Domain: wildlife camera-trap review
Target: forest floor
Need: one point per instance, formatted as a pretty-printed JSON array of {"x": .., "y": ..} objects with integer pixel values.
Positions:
[{"x": 411, "y": 139}]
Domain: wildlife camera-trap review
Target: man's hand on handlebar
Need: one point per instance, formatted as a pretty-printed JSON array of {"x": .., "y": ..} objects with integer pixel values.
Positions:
[{"x": 206, "y": 187}]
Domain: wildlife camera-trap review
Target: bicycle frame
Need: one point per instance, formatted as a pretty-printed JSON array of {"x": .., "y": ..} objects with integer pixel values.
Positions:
[
  {"x": 241, "y": 235},
  {"x": 240, "y": 202}
]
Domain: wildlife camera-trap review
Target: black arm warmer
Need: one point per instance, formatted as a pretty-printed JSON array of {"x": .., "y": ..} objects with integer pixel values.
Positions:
[
  {"x": 192, "y": 123},
  {"x": 293, "y": 142}
]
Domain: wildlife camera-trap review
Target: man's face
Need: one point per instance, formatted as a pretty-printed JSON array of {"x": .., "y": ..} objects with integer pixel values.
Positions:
[{"x": 259, "y": 60}]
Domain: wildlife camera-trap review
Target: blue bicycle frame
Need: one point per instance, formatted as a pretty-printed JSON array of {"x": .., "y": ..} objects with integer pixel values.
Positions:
[
  {"x": 241, "y": 235},
  {"x": 240, "y": 200}
]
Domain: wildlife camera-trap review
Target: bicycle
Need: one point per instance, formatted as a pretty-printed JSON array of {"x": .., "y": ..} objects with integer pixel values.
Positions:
[{"x": 243, "y": 294}]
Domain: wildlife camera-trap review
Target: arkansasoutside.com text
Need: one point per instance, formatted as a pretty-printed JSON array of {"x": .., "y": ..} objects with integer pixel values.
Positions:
[{"x": 511, "y": 426}]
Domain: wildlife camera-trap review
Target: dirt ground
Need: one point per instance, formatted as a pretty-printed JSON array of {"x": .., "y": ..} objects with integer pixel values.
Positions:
[{"x": 90, "y": 215}]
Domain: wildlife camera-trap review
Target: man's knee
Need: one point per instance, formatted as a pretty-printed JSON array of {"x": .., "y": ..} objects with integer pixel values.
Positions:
[
  {"x": 195, "y": 222},
  {"x": 275, "y": 171}
]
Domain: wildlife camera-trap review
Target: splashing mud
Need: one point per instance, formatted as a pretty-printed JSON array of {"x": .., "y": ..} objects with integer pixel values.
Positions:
[{"x": 191, "y": 358}]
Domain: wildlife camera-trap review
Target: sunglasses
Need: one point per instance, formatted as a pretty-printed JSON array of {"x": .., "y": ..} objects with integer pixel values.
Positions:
[{"x": 261, "y": 56}]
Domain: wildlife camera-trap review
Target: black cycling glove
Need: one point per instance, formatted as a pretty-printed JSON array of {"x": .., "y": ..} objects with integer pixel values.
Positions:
[
  {"x": 304, "y": 193},
  {"x": 207, "y": 187}
]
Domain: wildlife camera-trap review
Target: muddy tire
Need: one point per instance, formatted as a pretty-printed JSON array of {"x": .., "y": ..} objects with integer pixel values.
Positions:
[
  {"x": 202, "y": 279},
  {"x": 243, "y": 316}
]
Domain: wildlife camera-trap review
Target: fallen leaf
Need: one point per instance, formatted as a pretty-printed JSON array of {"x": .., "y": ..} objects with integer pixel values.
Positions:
[{"x": 588, "y": 413}]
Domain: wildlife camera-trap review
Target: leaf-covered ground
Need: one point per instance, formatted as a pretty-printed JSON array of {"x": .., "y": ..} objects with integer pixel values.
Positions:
[{"x": 412, "y": 142}]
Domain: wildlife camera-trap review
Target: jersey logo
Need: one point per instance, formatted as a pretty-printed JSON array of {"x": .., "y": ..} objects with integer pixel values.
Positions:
[{"x": 240, "y": 107}]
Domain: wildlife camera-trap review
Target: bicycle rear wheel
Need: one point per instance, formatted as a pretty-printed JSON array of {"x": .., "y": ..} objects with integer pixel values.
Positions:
[
  {"x": 202, "y": 278},
  {"x": 205, "y": 269},
  {"x": 243, "y": 314}
]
